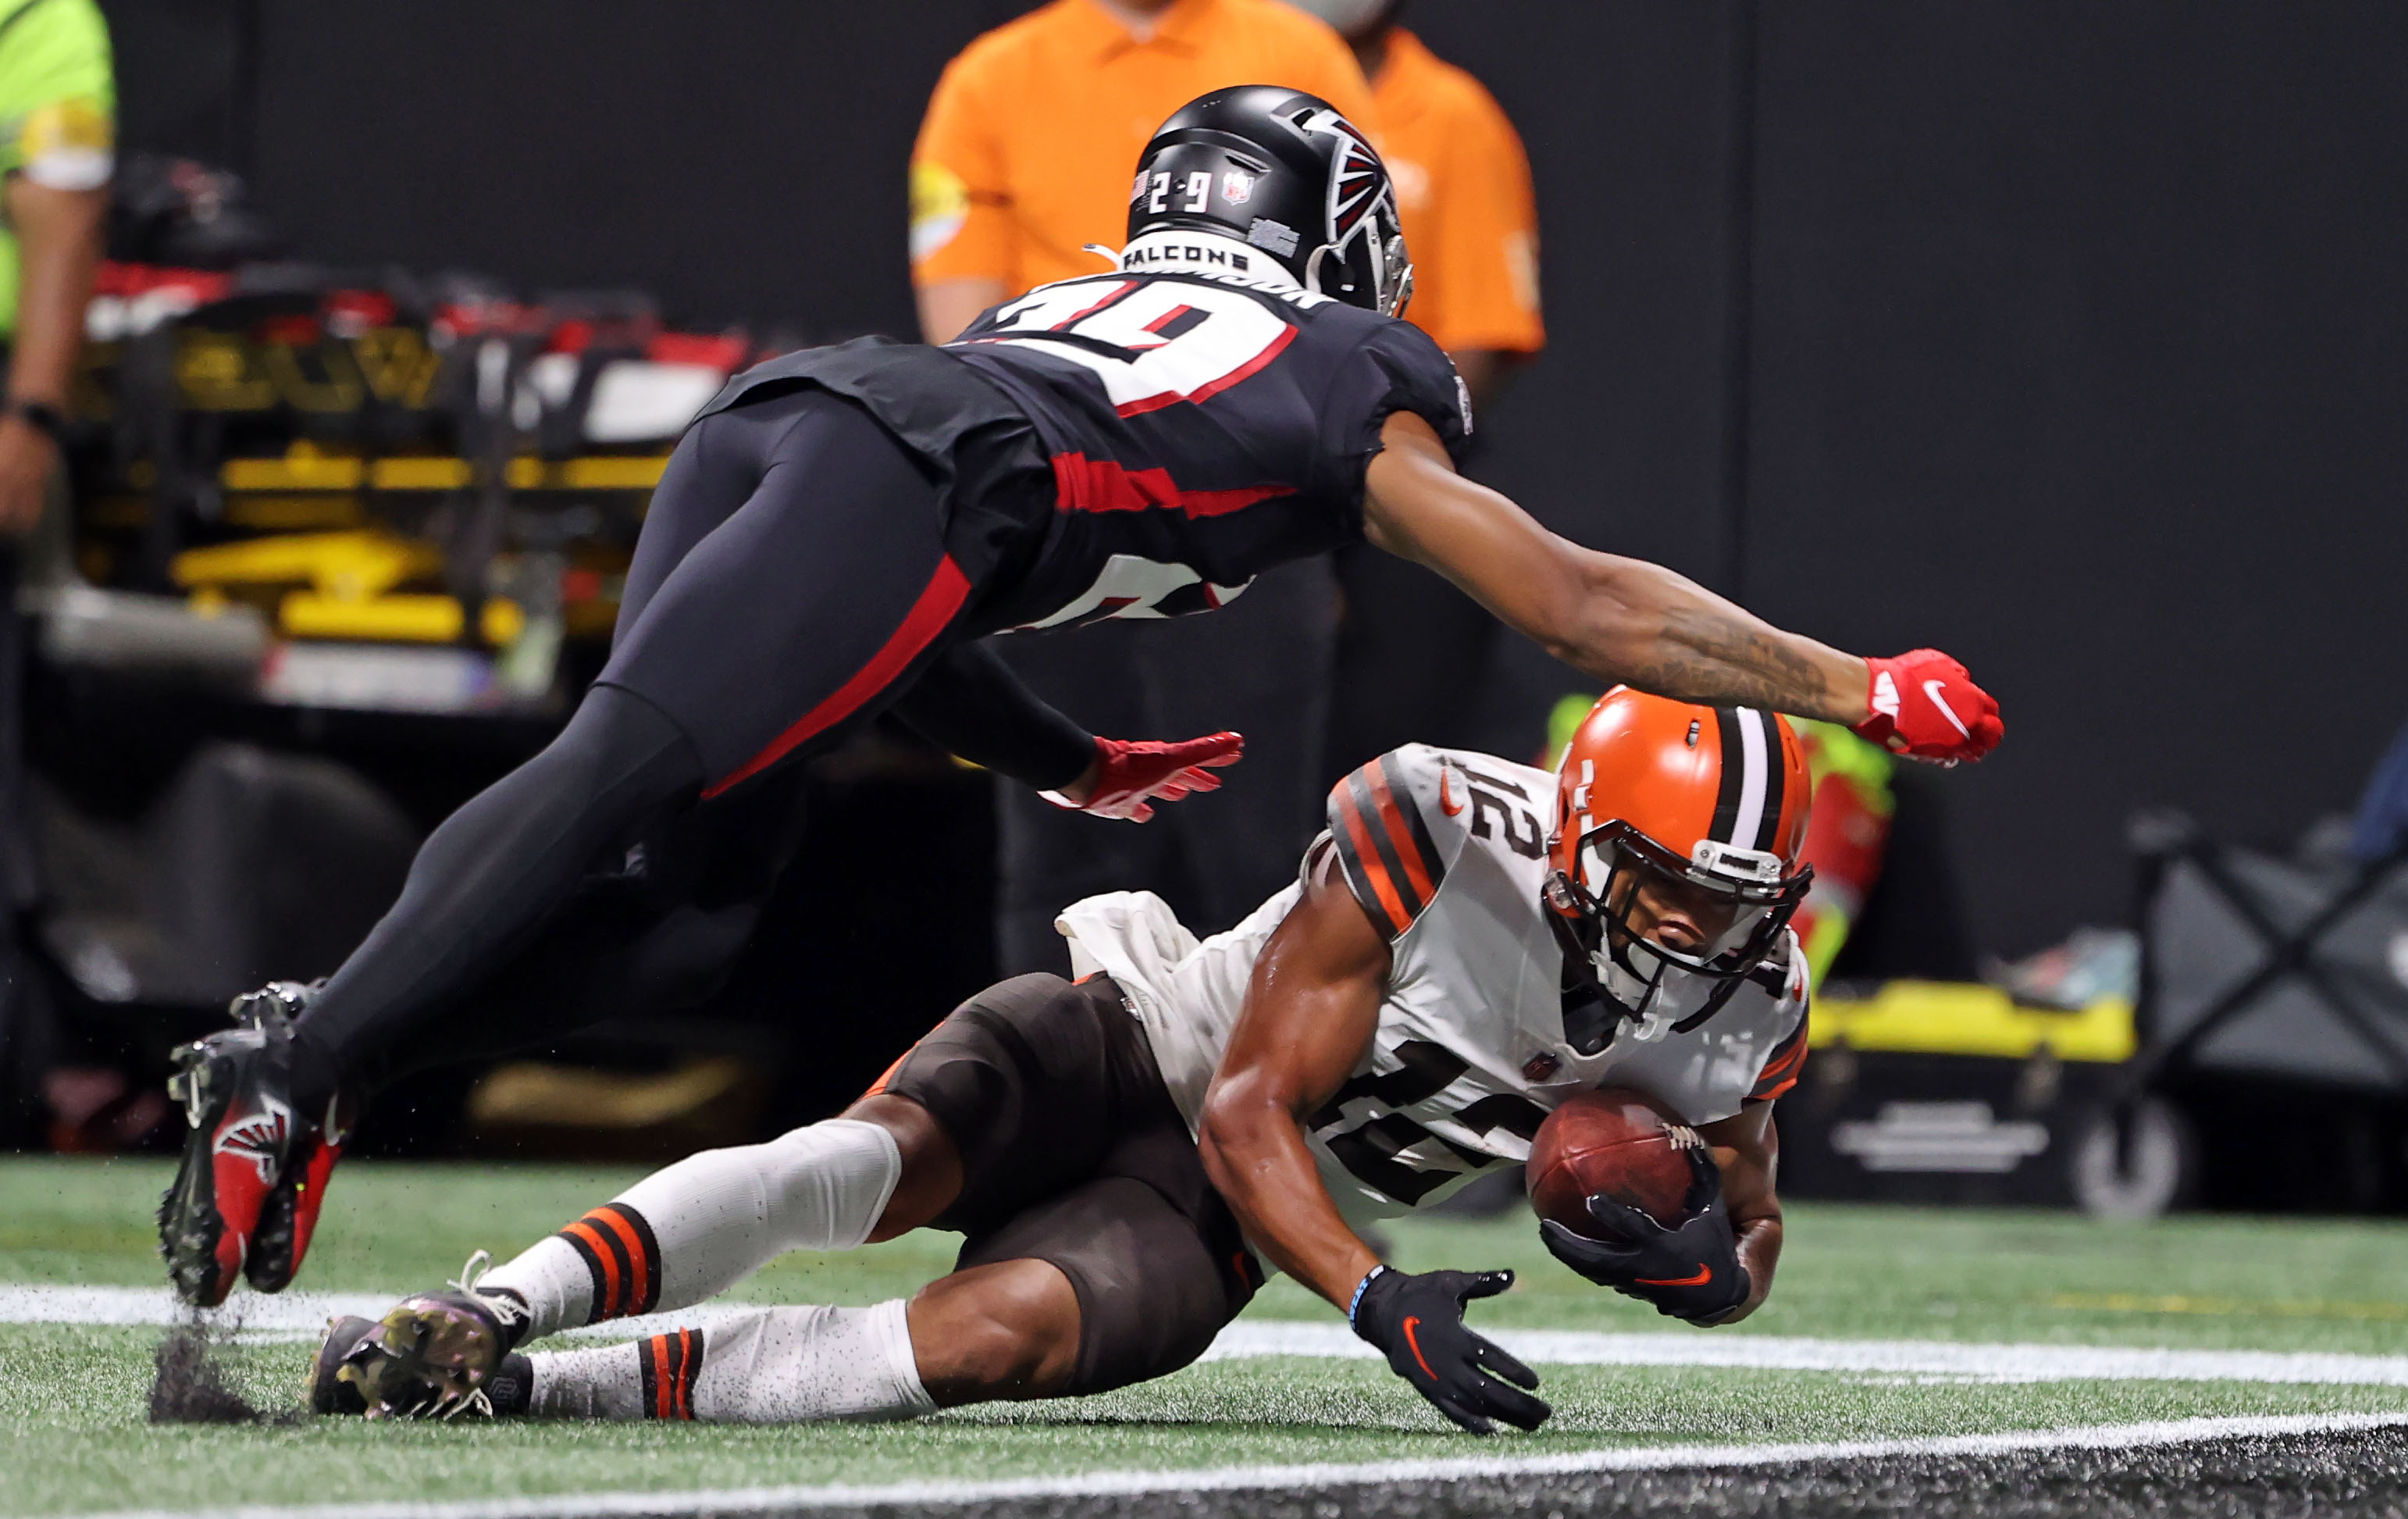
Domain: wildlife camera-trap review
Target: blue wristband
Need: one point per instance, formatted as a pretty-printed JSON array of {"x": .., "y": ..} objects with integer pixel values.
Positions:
[{"x": 1356, "y": 1302}]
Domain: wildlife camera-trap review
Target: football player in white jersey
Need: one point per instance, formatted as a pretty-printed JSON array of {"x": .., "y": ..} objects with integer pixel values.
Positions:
[{"x": 1470, "y": 943}]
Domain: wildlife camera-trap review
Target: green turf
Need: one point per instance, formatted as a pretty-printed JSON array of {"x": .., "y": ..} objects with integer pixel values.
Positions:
[{"x": 72, "y": 1437}]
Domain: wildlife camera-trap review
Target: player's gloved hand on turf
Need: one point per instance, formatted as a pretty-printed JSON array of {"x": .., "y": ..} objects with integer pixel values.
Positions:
[
  {"x": 1691, "y": 1272},
  {"x": 1416, "y": 1319},
  {"x": 1922, "y": 705},
  {"x": 1129, "y": 774}
]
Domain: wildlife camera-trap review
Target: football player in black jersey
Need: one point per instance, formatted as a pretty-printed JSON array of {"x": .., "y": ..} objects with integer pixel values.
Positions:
[{"x": 840, "y": 528}]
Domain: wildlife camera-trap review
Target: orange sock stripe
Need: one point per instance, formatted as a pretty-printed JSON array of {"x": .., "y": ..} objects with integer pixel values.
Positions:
[
  {"x": 689, "y": 1367},
  {"x": 600, "y": 1258},
  {"x": 641, "y": 1293},
  {"x": 662, "y": 1390}
]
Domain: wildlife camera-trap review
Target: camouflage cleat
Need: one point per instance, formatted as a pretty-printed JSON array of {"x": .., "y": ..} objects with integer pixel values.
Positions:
[
  {"x": 241, "y": 1153},
  {"x": 330, "y": 1390},
  {"x": 432, "y": 1357}
]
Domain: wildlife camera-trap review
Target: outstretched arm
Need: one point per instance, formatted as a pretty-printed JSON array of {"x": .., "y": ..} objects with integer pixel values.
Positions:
[
  {"x": 1624, "y": 621},
  {"x": 969, "y": 703},
  {"x": 1628, "y": 621}
]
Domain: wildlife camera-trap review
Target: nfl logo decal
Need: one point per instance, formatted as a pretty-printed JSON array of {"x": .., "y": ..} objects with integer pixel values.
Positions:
[
  {"x": 1538, "y": 1067},
  {"x": 1237, "y": 187}
]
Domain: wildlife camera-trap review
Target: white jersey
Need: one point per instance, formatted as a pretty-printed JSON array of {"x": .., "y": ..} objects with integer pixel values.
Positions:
[{"x": 1447, "y": 852}]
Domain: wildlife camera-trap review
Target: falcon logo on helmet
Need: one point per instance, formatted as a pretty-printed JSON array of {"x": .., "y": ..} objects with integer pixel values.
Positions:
[
  {"x": 1315, "y": 196},
  {"x": 1676, "y": 854}
]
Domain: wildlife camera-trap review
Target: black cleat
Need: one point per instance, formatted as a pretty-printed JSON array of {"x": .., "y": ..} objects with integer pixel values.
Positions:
[{"x": 434, "y": 1355}]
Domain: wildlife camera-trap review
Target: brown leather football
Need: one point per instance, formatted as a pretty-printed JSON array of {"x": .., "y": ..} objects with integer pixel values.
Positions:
[{"x": 1616, "y": 1140}]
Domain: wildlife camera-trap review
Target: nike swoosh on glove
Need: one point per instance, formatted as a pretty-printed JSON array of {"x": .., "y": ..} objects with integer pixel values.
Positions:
[
  {"x": 1922, "y": 705},
  {"x": 1692, "y": 1272},
  {"x": 1129, "y": 774},
  {"x": 1416, "y": 1319}
]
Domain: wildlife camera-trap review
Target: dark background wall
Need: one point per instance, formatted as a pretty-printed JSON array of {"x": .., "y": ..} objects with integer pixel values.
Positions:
[{"x": 2069, "y": 338}]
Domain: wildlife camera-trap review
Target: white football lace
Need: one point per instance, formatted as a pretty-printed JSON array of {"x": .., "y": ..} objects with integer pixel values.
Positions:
[
  {"x": 476, "y": 1401},
  {"x": 505, "y": 1307},
  {"x": 473, "y": 1270}
]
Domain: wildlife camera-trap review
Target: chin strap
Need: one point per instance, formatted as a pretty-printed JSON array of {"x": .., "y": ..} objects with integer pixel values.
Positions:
[{"x": 1591, "y": 1018}]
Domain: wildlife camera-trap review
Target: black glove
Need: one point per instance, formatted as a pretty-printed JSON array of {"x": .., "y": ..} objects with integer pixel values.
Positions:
[
  {"x": 1417, "y": 1320},
  {"x": 1692, "y": 1272}
]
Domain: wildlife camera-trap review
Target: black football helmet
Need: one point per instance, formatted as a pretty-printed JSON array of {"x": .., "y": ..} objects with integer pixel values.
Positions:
[{"x": 1281, "y": 170}]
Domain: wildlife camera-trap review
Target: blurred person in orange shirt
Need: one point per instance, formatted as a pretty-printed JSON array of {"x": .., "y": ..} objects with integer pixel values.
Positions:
[
  {"x": 1023, "y": 160},
  {"x": 1411, "y": 649},
  {"x": 1024, "y": 157}
]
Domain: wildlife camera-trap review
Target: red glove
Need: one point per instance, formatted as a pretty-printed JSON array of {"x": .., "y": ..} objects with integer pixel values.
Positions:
[
  {"x": 1129, "y": 774},
  {"x": 1926, "y": 707}
]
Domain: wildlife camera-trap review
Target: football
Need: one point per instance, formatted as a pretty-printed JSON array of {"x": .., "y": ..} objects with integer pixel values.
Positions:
[{"x": 1616, "y": 1140}]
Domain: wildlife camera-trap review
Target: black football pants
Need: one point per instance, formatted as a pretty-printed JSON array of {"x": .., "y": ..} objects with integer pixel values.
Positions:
[{"x": 790, "y": 582}]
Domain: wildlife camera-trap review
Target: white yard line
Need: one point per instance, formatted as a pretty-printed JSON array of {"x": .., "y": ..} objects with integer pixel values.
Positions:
[
  {"x": 743, "y": 1500},
  {"x": 300, "y": 1316},
  {"x": 1895, "y": 1357}
]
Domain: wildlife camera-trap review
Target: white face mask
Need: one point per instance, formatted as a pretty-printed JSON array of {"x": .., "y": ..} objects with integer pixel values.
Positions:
[{"x": 1347, "y": 17}]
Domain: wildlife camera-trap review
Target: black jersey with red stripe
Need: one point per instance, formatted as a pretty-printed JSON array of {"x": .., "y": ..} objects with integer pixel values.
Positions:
[
  {"x": 1140, "y": 445},
  {"x": 1200, "y": 430}
]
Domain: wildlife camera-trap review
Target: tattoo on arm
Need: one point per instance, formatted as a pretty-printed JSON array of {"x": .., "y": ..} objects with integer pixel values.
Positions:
[{"x": 1721, "y": 657}]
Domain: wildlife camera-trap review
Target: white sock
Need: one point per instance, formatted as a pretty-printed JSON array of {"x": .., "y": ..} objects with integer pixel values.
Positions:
[
  {"x": 694, "y": 1229},
  {"x": 605, "y": 1383},
  {"x": 769, "y": 1366}
]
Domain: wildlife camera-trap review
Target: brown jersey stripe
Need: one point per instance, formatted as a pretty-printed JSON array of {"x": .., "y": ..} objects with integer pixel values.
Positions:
[
  {"x": 600, "y": 1264},
  {"x": 1365, "y": 874},
  {"x": 643, "y": 1252}
]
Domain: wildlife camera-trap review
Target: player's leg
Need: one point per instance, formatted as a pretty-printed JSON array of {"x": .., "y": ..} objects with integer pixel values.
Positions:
[
  {"x": 1105, "y": 1284},
  {"x": 680, "y": 1236},
  {"x": 1017, "y": 1076},
  {"x": 1004, "y": 1101},
  {"x": 803, "y": 608}
]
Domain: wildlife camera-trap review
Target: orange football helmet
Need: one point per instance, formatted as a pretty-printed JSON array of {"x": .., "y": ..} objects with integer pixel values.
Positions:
[{"x": 1700, "y": 804}]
